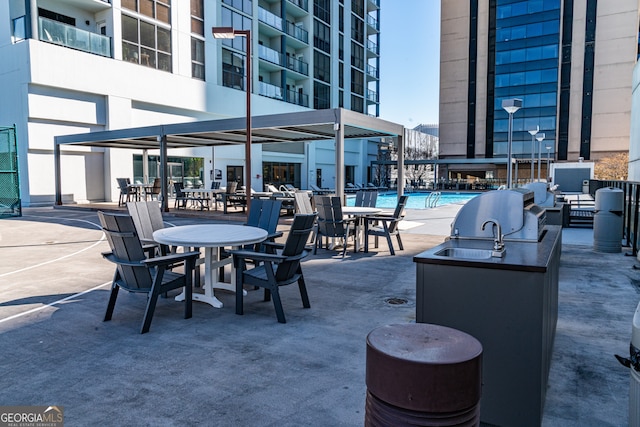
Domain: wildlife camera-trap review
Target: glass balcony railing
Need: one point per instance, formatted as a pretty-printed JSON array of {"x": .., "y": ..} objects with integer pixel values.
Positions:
[
  {"x": 75, "y": 38},
  {"x": 372, "y": 95},
  {"x": 297, "y": 98},
  {"x": 270, "y": 91},
  {"x": 372, "y": 71},
  {"x": 297, "y": 32},
  {"x": 373, "y": 22},
  {"x": 269, "y": 54},
  {"x": 297, "y": 65},
  {"x": 270, "y": 19},
  {"x": 372, "y": 47},
  {"x": 302, "y": 4}
]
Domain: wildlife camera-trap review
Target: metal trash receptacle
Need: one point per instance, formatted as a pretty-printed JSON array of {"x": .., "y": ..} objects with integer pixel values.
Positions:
[
  {"x": 633, "y": 363},
  {"x": 420, "y": 374},
  {"x": 607, "y": 220}
]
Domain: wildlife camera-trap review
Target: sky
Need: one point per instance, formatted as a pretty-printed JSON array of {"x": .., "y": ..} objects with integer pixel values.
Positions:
[{"x": 409, "y": 61}]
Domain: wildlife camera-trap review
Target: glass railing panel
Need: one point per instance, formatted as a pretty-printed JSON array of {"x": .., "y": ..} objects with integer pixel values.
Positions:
[
  {"x": 297, "y": 32},
  {"x": 269, "y": 54},
  {"x": 372, "y": 47},
  {"x": 66, "y": 35},
  {"x": 270, "y": 19},
  {"x": 20, "y": 28},
  {"x": 270, "y": 91},
  {"x": 373, "y": 22},
  {"x": 297, "y": 65},
  {"x": 302, "y": 4},
  {"x": 372, "y": 71},
  {"x": 297, "y": 98},
  {"x": 372, "y": 95}
]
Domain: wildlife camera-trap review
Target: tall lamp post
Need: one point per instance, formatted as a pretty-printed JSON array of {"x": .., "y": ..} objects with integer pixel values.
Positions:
[
  {"x": 510, "y": 106},
  {"x": 540, "y": 138},
  {"x": 230, "y": 33},
  {"x": 548, "y": 147},
  {"x": 533, "y": 133}
]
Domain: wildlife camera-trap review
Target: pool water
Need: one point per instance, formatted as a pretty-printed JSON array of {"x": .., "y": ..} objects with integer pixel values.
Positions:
[{"x": 417, "y": 200}]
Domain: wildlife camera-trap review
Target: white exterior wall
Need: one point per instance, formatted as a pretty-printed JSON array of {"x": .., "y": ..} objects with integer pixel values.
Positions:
[
  {"x": 51, "y": 90},
  {"x": 634, "y": 143}
]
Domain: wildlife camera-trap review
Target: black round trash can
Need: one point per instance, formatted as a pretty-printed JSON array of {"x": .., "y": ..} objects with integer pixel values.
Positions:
[{"x": 422, "y": 375}]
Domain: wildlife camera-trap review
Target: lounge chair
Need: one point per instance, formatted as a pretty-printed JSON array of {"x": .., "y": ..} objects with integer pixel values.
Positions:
[{"x": 320, "y": 191}]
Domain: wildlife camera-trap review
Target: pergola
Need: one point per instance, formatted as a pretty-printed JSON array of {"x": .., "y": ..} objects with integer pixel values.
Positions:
[{"x": 315, "y": 125}]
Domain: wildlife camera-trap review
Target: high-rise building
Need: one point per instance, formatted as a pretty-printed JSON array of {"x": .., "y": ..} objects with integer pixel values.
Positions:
[
  {"x": 569, "y": 61},
  {"x": 73, "y": 66}
]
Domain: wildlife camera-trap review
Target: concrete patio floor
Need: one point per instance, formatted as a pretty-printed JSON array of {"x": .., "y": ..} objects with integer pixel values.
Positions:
[{"x": 221, "y": 369}]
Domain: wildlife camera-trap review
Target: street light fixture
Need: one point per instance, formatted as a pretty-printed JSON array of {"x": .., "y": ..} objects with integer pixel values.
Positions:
[
  {"x": 230, "y": 33},
  {"x": 510, "y": 106},
  {"x": 533, "y": 133},
  {"x": 548, "y": 147},
  {"x": 539, "y": 137}
]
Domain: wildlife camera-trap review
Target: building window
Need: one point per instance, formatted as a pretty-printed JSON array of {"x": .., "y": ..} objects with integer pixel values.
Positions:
[
  {"x": 243, "y": 5},
  {"x": 340, "y": 75},
  {"x": 238, "y": 22},
  {"x": 321, "y": 96},
  {"x": 197, "y": 43},
  {"x": 281, "y": 173},
  {"x": 357, "y": 7},
  {"x": 197, "y": 58},
  {"x": 357, "y": 104},
  {"x": 322, "y": 10},
  {"x": 357, "y": 55},
  {"x": 232, "y": 69},
  {"x": 357, "y": 81},
  {"x": 160, "y": 10},
  {"x": 321, "y": 36},
  {"x": 357, "y": 29},
  {"x": 146, "y": 43},
  {"x": 321, "y": 66}
]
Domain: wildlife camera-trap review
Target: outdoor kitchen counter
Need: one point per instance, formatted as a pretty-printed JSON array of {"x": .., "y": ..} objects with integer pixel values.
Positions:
[
  {"x": 519, "y": 255},
  {"x": 510, "y": 305}
]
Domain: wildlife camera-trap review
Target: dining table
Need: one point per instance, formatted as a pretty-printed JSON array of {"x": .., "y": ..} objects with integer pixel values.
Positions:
[
  {"x": 141, "y": 190},
  {"x": 361, "y": 224},
  {"x": 211, "y": 237},
  {"x": 203, "y": 196}
]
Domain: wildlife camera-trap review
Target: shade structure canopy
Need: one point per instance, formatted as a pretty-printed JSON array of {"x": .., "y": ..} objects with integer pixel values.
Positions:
[{"x": 314, "y": 125}]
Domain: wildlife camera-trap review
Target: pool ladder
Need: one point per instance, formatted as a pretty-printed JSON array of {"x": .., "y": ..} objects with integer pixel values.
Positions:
[{"x": 431, "y": 201}]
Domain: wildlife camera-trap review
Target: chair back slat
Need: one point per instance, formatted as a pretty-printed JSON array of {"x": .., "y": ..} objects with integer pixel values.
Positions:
[
  {"x": 366, "y": 198},
  {"x": 303, "y": 203},
  {"x": 232, "y": 187},
  {"x": 330, "y": 218},
  {"x": 125, "y": 245},
  {"x": 398, "y": 213},
  {"x": 147, "y": 218},
  {"x": 265, "y": 214},
  {"x": 295, "y": 244}
]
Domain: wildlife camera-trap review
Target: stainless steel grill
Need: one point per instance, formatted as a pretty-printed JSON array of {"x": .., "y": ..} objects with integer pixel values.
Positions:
[{"x": 521, "y": 219}]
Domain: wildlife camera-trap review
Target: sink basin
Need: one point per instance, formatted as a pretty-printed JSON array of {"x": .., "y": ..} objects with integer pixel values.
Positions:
[{"x": 465, "y": 253}]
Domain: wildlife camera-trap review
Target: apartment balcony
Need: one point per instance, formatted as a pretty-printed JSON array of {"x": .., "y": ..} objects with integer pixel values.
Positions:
[
  {"x": 302, "y": 4},
  {"x": 270, "y": 19},
  {"x": 269, "y": 55},
  {"x": 297, "y": 65},
  {"x": 373, "y": 5},
  {"x": 372, "y": 48},
  {"x": 297, "y": 98},
  {"x": 373, "y": 72},
  {"x": 270, "y": 91},
  {"x": 68, "y": 36},
  {"x": 372, "y": 96},
  {"x": 373, "y": 23},
  {"x": 297, "y": 32},
  {"x": 88, "y": 5}
]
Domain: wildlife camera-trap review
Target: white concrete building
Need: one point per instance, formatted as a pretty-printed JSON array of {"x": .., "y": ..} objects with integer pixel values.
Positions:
[{"x": 73, "y": 66}]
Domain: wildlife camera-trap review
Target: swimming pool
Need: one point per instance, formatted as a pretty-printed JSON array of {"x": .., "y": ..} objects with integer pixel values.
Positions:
[{"x": 417, "y": 200}]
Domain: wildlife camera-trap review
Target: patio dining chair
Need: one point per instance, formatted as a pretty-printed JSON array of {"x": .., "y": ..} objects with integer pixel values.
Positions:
[
  {"x": 137, "y": 273},
  {"x": 147, "y": 218},
  {"x": 386, "y": 226},
  {"x": 126, "y": 192},
  {"x": 277, "y": 267},
  {"x": 331, "y": 222},
  {"x": 366, "y": 198}
]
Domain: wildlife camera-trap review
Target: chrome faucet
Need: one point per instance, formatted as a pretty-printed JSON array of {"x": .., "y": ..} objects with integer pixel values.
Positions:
[{"x": 498, "y": 237}]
